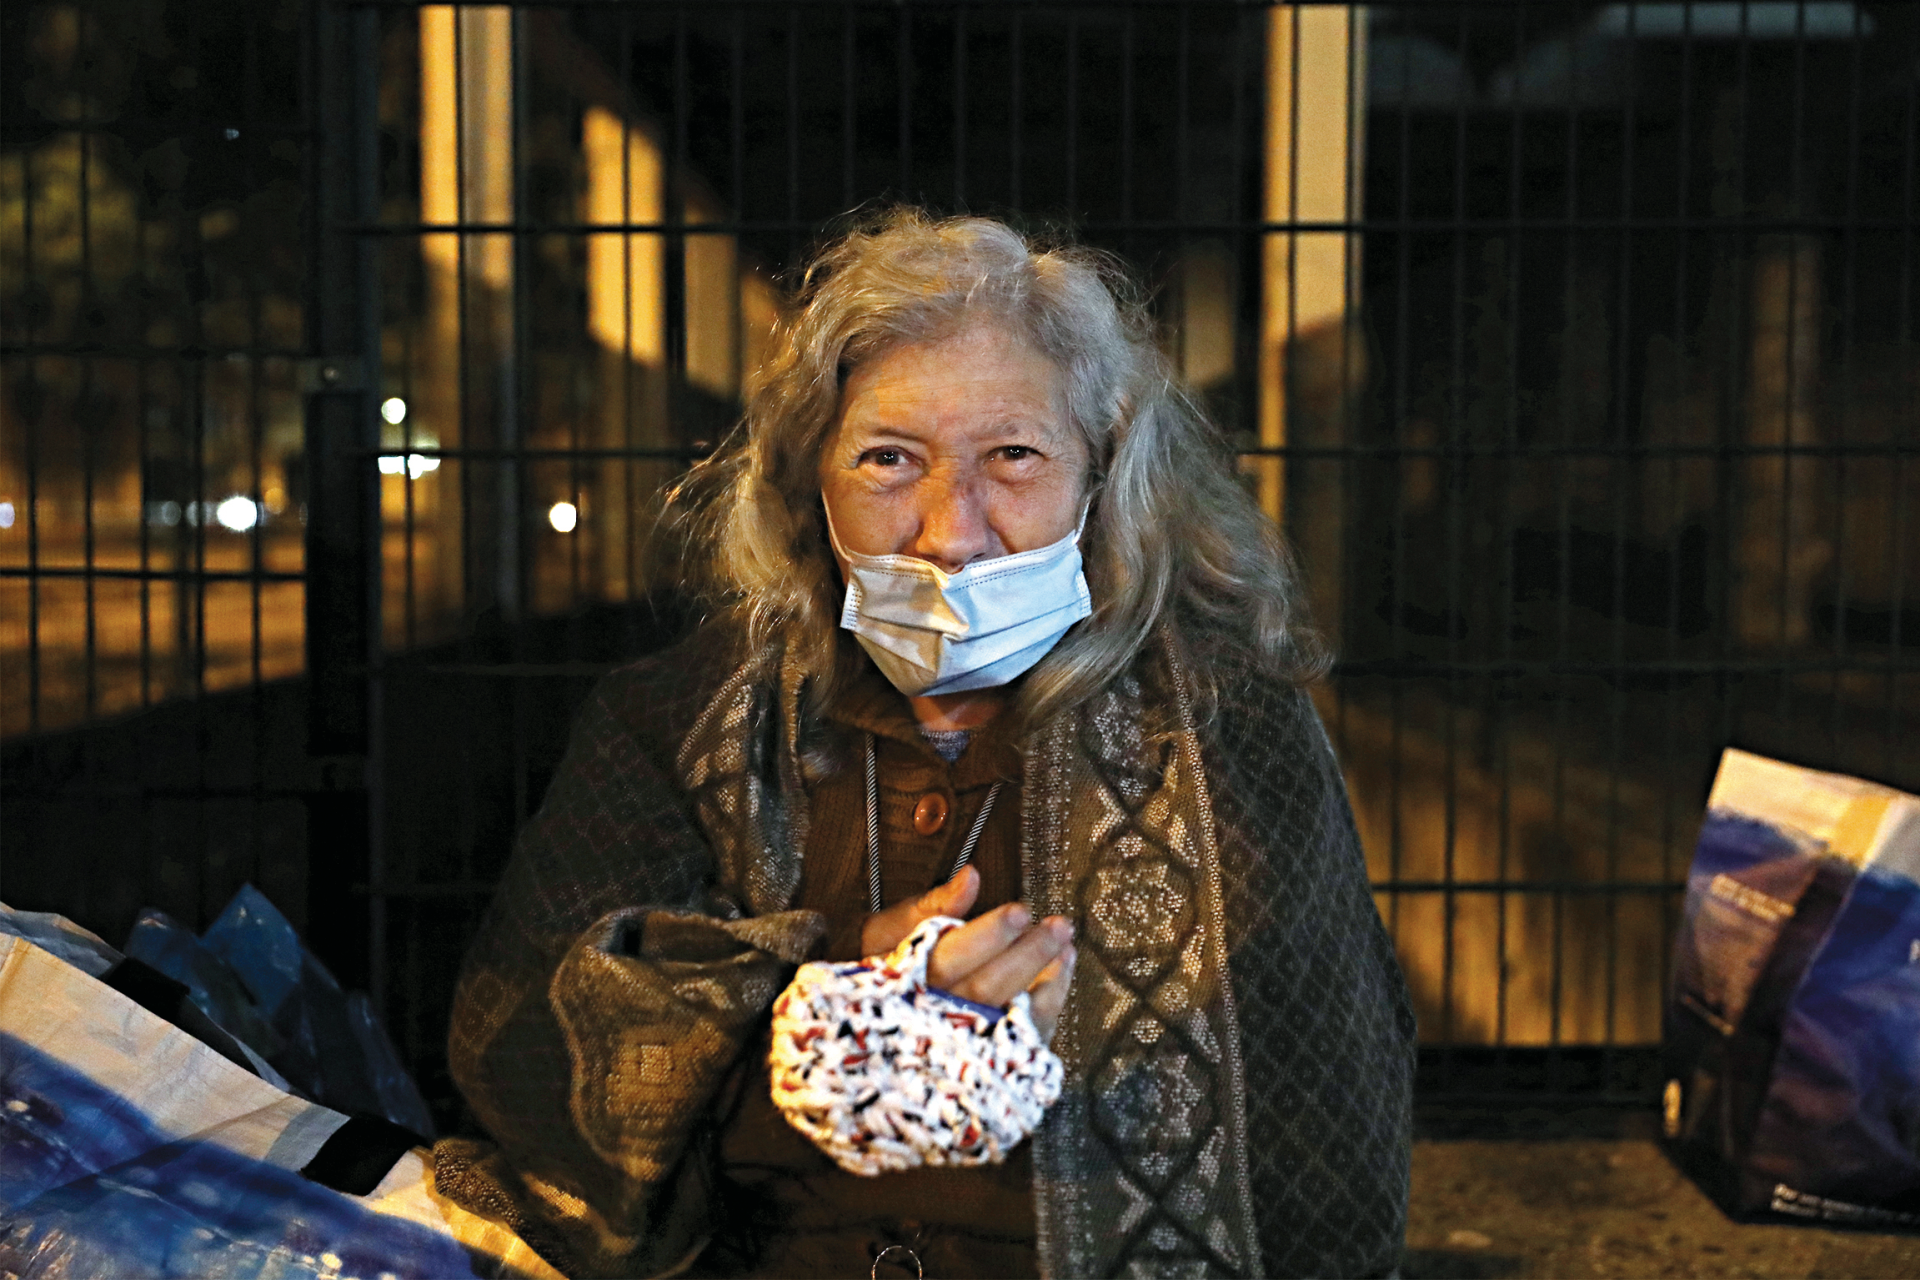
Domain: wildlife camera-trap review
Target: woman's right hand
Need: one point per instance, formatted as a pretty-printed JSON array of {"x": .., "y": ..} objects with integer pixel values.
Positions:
[{"x": 990, "y": 960}]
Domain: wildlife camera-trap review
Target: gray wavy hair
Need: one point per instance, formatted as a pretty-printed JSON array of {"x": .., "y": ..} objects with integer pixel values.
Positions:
[{"x": 1171, "y": 533}]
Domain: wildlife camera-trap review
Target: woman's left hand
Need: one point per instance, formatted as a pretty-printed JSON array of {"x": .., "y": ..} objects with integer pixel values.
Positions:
[{"x": 990, "y": 960}]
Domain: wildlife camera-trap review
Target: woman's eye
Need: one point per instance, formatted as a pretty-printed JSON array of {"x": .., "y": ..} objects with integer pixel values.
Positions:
[
  {"x": 881, "y": 457},
  {"x": 1016, "y": 452}
]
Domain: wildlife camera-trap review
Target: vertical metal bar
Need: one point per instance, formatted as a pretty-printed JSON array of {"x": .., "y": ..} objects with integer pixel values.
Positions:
[
  {"x": 1905, "y": 422},
  {"x": 1683, "y": 242},
  {"x": 343, "y": 504},
  {"x": 903, "y": 73},
  {"x": 1564, "y": 528},
  {"x": 1455, "y": 468},
  {"x": 1348, "y": 456},
  {"x": 515, "y": 514},
  {"x": 849, "y": 110},
  {"x": 511, "y": 401},
  {"x": 1182, "y": 164},
  {"x": 34, "y": 410},
  {"x": 1071, "y": 116},
  {"x": 1620, "y": 474},
  {"x": 143, "y": 410},
  {"x": 1849, "y": 379},
  {"x": 201, "y": 407},
  {"x": 1183, "y": 120},
  {"x": 1505, "y": 532},
  {"x": 89, "y": 432},
  {"x": 1183, "y": 242},
  {"x": 476, "y": 591},
  {"x": 737, "y": 132},
  {"x": 256, "y": 535},
  {"x": 363, "y": 41},
  {"x": 582, "y": 476},
  {"x": 629, "y": 383},
  {"x": 1246, "y": 121},
  {"x": 410, "y": 601},
  {"x": 960, "y": 108},
  {"x": 256, "y": 530},
  {"x": 793, "y": 127},
  {"x": 1789, "y": 594},
  {"x": 1015, "y": 120},
  {"x": 1731, "y": 205},
  {"x": 1397, "y": 575},
  {"x": 677, "y": 210},
  {"x": 147, "y": 511},
  {"x": 1742, "y": 362},
  {"x": 1126, "y": 125},
  {"x": 1351, "y": 370}
]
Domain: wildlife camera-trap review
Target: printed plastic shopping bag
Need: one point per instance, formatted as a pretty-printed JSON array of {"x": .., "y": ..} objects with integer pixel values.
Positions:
[
  {"x": 1793, "y": 1020},
  {"x": 130, "y": 1148}
]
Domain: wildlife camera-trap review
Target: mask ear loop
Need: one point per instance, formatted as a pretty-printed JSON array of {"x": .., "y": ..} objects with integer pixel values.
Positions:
[{"x": 833, "y": 534}]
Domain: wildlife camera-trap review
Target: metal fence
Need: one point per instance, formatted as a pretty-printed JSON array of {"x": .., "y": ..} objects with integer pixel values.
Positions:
[{"x": 1573, "y": 344}]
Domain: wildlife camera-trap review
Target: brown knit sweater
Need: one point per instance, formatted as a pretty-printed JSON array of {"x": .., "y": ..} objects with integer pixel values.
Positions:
[{"x": 789, "y": 1210}]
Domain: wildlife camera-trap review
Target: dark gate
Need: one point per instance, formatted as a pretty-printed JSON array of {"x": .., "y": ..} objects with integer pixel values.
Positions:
[{"x": 1574, "y": 345}]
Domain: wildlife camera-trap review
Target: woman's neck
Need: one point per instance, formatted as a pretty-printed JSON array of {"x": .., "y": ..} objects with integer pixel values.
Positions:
[{"x": 967, "y": 710}]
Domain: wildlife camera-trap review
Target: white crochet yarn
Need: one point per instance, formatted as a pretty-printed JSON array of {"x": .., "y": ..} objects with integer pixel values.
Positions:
[{"x": 884, "y": 1072}]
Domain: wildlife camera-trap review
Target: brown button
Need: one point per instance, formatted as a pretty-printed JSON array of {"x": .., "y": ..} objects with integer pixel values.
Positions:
[{"x": 930, "y": 814}]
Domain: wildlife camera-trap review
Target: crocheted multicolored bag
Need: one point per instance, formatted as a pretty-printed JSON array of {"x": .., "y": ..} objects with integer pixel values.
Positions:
[{"x": 884, "y": 1072}]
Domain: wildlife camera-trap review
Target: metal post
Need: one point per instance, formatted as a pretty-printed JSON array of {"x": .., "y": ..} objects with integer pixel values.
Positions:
[{"x": 342, "y": 536}]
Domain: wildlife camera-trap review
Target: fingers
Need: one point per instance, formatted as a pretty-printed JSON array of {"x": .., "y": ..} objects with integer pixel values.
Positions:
[
  {"x": 974, "y": 943},
  {"x": 884, "y": 930},
  {"x": 955, "y": 897},
  {"x": 1049, "y": 992},
  {"x": 1001, "y": 960}
]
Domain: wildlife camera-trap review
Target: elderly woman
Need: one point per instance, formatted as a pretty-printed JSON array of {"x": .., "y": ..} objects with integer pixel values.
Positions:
[{"x": 998, "y": 637}]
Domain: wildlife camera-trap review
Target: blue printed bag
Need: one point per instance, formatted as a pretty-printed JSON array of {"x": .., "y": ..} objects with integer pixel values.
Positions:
[{"x": 1793, "y": 1018}]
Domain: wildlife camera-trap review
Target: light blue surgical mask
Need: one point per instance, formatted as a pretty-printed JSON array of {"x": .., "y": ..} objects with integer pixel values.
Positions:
[{"x": 932, "y": 632}]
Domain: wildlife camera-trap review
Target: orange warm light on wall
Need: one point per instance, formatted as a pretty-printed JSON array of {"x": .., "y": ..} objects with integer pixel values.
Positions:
[
  {"x": 466, "y": 177},
  {"x": 626, "y": 302},
  {"x": 1316, "y": 92},
  {"x": 466, "y": 135}
]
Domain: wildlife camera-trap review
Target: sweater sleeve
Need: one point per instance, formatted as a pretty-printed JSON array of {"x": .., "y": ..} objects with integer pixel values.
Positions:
[{"x": 605, "y": 998}]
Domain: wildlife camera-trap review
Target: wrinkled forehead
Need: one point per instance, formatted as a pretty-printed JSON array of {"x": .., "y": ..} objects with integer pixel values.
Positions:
[{"x": 979, "y": 374}]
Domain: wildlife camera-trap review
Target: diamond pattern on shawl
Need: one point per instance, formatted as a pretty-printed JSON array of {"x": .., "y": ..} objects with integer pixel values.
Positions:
[
  {"x": 1328, "y": 1045},
  {"x": 1313, "y": 1035},
  {"x": 1150, "y": 1052}
]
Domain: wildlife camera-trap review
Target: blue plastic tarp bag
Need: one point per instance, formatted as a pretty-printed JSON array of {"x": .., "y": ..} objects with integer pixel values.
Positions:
[
  {"x": 253, "y": 976},
  {"x": 130, "y": 1148},
  {"x": 1793, "y": 1018}
]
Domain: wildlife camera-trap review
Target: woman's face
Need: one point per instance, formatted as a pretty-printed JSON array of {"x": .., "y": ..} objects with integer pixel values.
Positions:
[{"x": 954, "y": 451}]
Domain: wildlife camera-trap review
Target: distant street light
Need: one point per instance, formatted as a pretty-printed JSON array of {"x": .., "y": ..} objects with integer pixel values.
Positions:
[
  {"x": 414, "y": 464},
  {"x": 238, "y": 513},
  {"x": 563, "y": 516}
]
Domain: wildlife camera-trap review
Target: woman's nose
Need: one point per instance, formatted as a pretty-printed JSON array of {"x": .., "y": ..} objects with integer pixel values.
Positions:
[{"x": 953, "y": 527}]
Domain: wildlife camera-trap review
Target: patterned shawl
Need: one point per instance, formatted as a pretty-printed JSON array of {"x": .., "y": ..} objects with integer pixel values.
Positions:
[{"x": 1238, "y": 1039}]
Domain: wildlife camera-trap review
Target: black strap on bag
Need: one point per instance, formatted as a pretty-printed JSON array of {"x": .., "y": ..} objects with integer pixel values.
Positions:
[{"x": 360, "y": 1153}]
